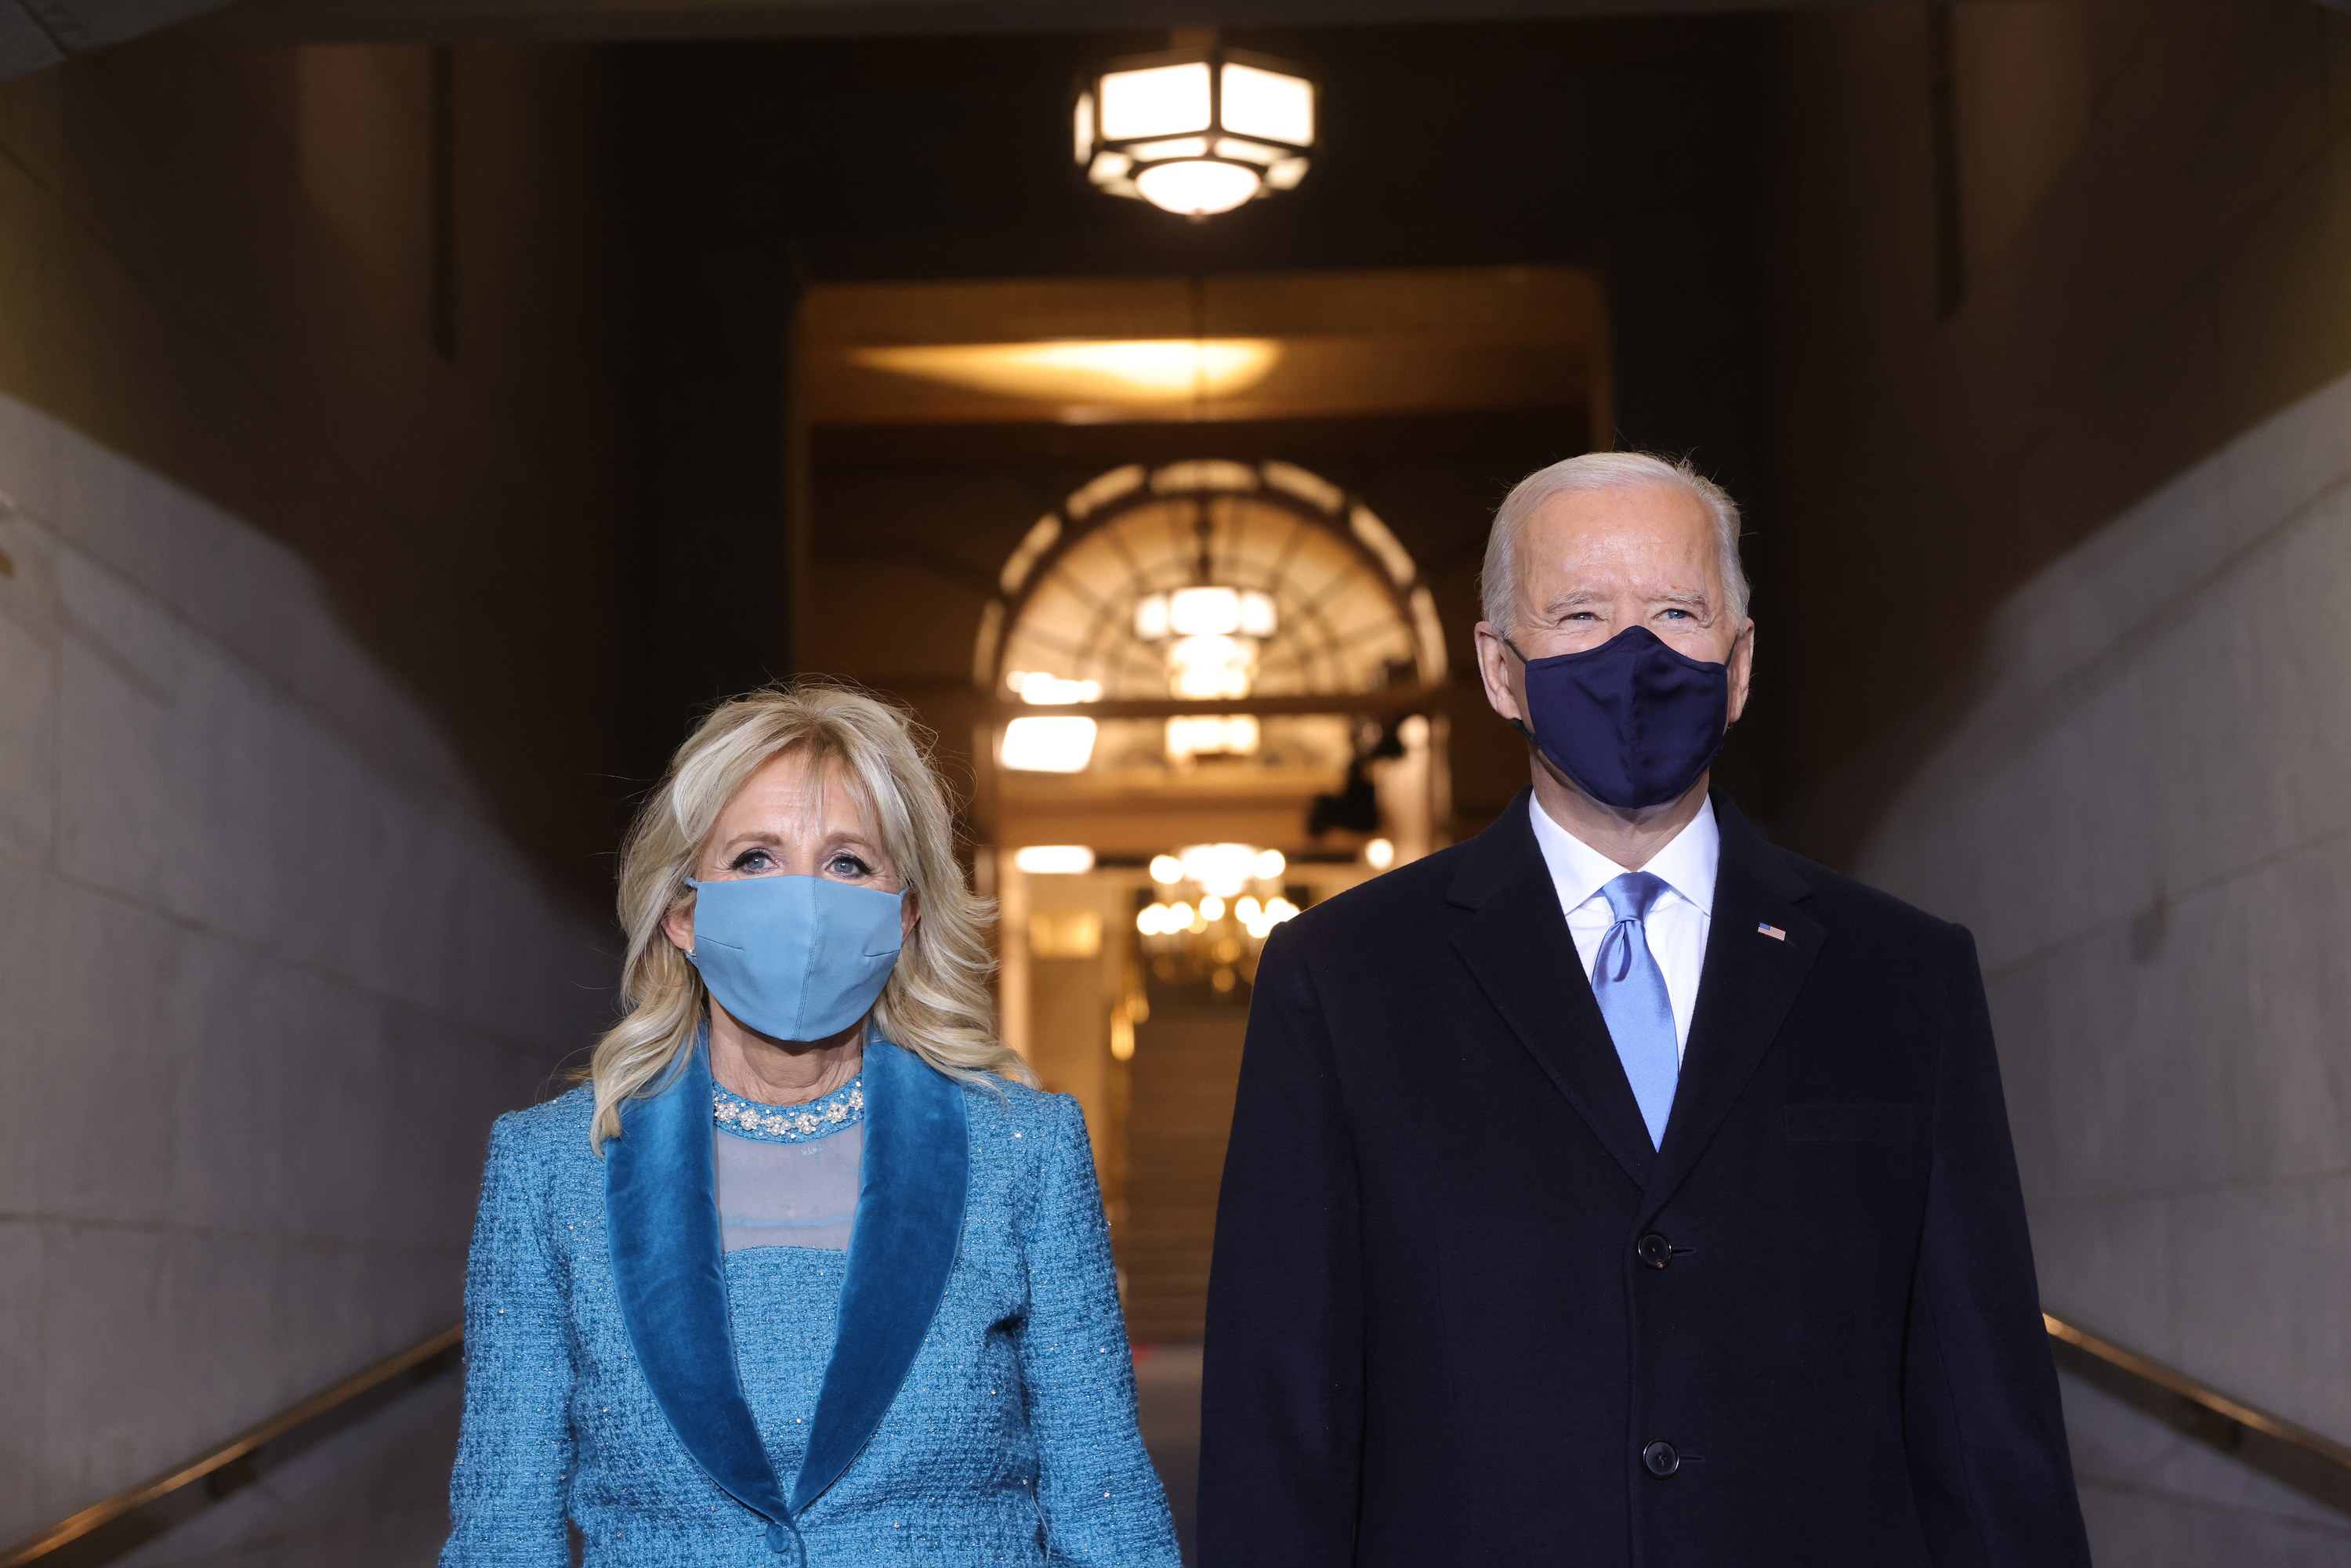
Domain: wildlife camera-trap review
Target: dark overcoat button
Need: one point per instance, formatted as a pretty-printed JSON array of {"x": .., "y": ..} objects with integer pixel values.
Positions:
[
  {"x": 1660, "y": 1460},
  {"x": 1654, "y": 1249}
]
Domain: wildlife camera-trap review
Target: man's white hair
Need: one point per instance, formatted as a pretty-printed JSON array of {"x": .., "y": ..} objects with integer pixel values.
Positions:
[{"x": 1497, "y": 583}]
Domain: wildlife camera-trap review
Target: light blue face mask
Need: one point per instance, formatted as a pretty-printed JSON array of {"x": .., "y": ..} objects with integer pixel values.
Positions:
[{"x": 795, "y": 958}]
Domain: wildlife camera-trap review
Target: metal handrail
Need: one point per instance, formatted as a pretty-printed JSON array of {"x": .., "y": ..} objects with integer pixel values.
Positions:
[
  {"x": 2318, "y": 1466},
  {"x": 161, "y": 1485}
]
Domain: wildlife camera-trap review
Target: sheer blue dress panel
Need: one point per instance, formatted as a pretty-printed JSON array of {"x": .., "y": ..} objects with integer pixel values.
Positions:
[{"x": 801, "y": 1193}]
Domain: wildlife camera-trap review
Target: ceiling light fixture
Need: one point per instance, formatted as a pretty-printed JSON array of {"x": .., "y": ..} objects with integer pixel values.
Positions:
[
  {"x": 1210, "y": 636},
  {"x": 1195, "y": 130},
  {"x": 1151, "y": 370}
]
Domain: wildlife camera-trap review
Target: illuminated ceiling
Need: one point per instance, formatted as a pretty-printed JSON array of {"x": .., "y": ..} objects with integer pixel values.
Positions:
[
  {"x": 1134, "y": 376},
  {"x": 1089, "y": 351}
]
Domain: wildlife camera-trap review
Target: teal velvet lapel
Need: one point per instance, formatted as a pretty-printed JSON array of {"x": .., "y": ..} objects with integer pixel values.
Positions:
[
  {"x": 910, "y": 1204},
  {"x": 661, "y": 1206}
]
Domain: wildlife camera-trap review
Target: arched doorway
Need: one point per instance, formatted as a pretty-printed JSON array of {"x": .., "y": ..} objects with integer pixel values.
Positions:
[{"x": 1208, "y": 681}]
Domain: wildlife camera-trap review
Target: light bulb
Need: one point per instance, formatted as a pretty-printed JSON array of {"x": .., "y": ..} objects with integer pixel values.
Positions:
[{"x": 1197, "y": 187}]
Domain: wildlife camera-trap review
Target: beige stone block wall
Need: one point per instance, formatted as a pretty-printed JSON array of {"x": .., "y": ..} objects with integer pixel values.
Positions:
[
  {"x": 309, "y": 641},
  {"x": 2062, "y": 608}
]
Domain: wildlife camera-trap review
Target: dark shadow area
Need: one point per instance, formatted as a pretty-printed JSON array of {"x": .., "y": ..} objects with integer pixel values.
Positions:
[{"x": 1167, "y": 1383}]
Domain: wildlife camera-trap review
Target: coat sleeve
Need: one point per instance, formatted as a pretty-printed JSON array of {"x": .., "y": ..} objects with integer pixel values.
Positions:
[
  {"x": 1985, "y": 1430},
  {"x": 1282, "y": 1396},
  {"x": 1100, "y": 1499},
  {"x": 508, "y": 1492}
]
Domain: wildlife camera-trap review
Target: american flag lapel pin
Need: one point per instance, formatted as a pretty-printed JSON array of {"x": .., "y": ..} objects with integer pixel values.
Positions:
[{"x": 1773, "y": 931}]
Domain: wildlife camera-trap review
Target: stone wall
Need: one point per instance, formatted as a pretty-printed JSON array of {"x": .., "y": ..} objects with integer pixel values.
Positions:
[
  {"x": 2143, "y": 817},
  {"x": 307, "y": 650},
  {"x": 2065, "y": 544}
]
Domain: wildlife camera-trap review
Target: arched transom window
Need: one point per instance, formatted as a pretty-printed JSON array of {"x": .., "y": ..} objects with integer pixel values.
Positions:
[
  {"x": 1214, "y": 582},
  {"x": 1209, "y": 580}
]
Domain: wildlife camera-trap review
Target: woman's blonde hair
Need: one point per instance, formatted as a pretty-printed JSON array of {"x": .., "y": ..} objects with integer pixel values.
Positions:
[{"x": 936, "y": 1003}]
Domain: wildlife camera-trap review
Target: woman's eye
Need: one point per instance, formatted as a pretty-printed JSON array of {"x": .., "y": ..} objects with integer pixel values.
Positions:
[
  {"x": 751, "y": 861},
  {"x": 849, "y": 866}
]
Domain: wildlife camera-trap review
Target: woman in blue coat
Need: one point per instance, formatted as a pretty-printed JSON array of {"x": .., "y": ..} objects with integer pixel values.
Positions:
[{"x": 807, "y": 1273}]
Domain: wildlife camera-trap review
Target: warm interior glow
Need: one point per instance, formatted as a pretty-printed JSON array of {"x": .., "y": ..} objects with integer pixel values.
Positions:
[
  {"x": 1086, "y": 371},
  {"x": 1076, "y": 934},
  {"x": 1166, "y": 869},
  {"x": 1268, "y": 104},
  {"x": 1211, "y": 734},
  {"x": 1379, "y": 854},
  {"x": 1222, "y": 868},
  {"x": 1197, "y": 187},
  {"x": 1158, "y": 100},
  {"x": 1203, "y": 611},
  {"x": 1270, "y": 864},
  {"x": 1039, "y": 744},
  {"x": 1054, "y": 860},
  {"x": 1285, "y": 175},
  {"x": 1258, "y": 618},
  {"x": 1258, "y": 923},
  {"x": 1035, "y": 687},
  {"x": 1211, "y": 668}
]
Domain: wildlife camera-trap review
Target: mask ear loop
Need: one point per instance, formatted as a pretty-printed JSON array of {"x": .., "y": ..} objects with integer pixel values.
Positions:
[{"x": 1518, "y": 723}]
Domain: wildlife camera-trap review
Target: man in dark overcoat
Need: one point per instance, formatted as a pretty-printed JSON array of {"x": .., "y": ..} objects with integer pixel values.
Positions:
[{"x": 1615, "y": 1188}]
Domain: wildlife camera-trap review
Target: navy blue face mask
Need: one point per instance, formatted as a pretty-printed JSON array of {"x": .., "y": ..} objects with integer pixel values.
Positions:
[{"x": 1632, "y": 721}]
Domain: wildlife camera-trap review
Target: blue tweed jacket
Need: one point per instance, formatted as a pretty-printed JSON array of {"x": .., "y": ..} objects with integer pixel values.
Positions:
[{"x": 956, "y": 1388}]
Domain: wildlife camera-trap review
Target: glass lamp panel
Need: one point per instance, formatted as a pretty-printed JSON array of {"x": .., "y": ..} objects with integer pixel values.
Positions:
[
  {"x": 1209, "y": 667},
  {"x": 1175, "y": 147},
  {"x": 1054, "y": 860},
  {"x": 1256, "y": 619},
  {"x": 1197, "y": 188},
  {"x": 1048, "y": 690},
  {"x": 1268, "y": 104},
  {"x": 1256, "y": 152},
  {"x": 1159, "y": 100},
  {"x": 1205, "y": 611},
  {"x": 1108, "y": 168},
  {"x": 1085, "y": 126},
  {"x": 1151, "y": 617},
  {"x": 1211, "y": 734},
  {"x": 1285, "y": 175},
  {"x": 1049, "y": 745}
]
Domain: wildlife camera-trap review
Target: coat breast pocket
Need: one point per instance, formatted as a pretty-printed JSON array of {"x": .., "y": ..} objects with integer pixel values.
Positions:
[{"x": 1852, "y": 1121}]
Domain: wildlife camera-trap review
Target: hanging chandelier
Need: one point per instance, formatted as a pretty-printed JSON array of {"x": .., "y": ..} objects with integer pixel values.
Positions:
[
  {"x": 1195, "y": 130},
  {"x": 1213, "y": 907},
  {"x": 1209, "y": 636}
]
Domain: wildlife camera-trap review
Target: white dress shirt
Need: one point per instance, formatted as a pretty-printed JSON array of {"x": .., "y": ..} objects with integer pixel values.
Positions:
[{"x": 1677, "y": 923}]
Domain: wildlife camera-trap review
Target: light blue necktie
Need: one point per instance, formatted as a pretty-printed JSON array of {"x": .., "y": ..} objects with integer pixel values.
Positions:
[{"x": 1631, "y": 991}]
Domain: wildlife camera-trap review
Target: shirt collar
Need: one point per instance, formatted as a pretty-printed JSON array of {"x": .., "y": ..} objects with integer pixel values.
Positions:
[{"x": 1686, "y": 864}]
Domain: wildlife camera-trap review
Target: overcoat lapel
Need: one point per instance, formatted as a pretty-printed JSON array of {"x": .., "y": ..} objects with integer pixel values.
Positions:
[
  {"x": 1516, "y": 943},
  {"x": 661, "y": 1206},
  {"x": 1749, "y": 981},
  {"x": 910, "y": 1207}
]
